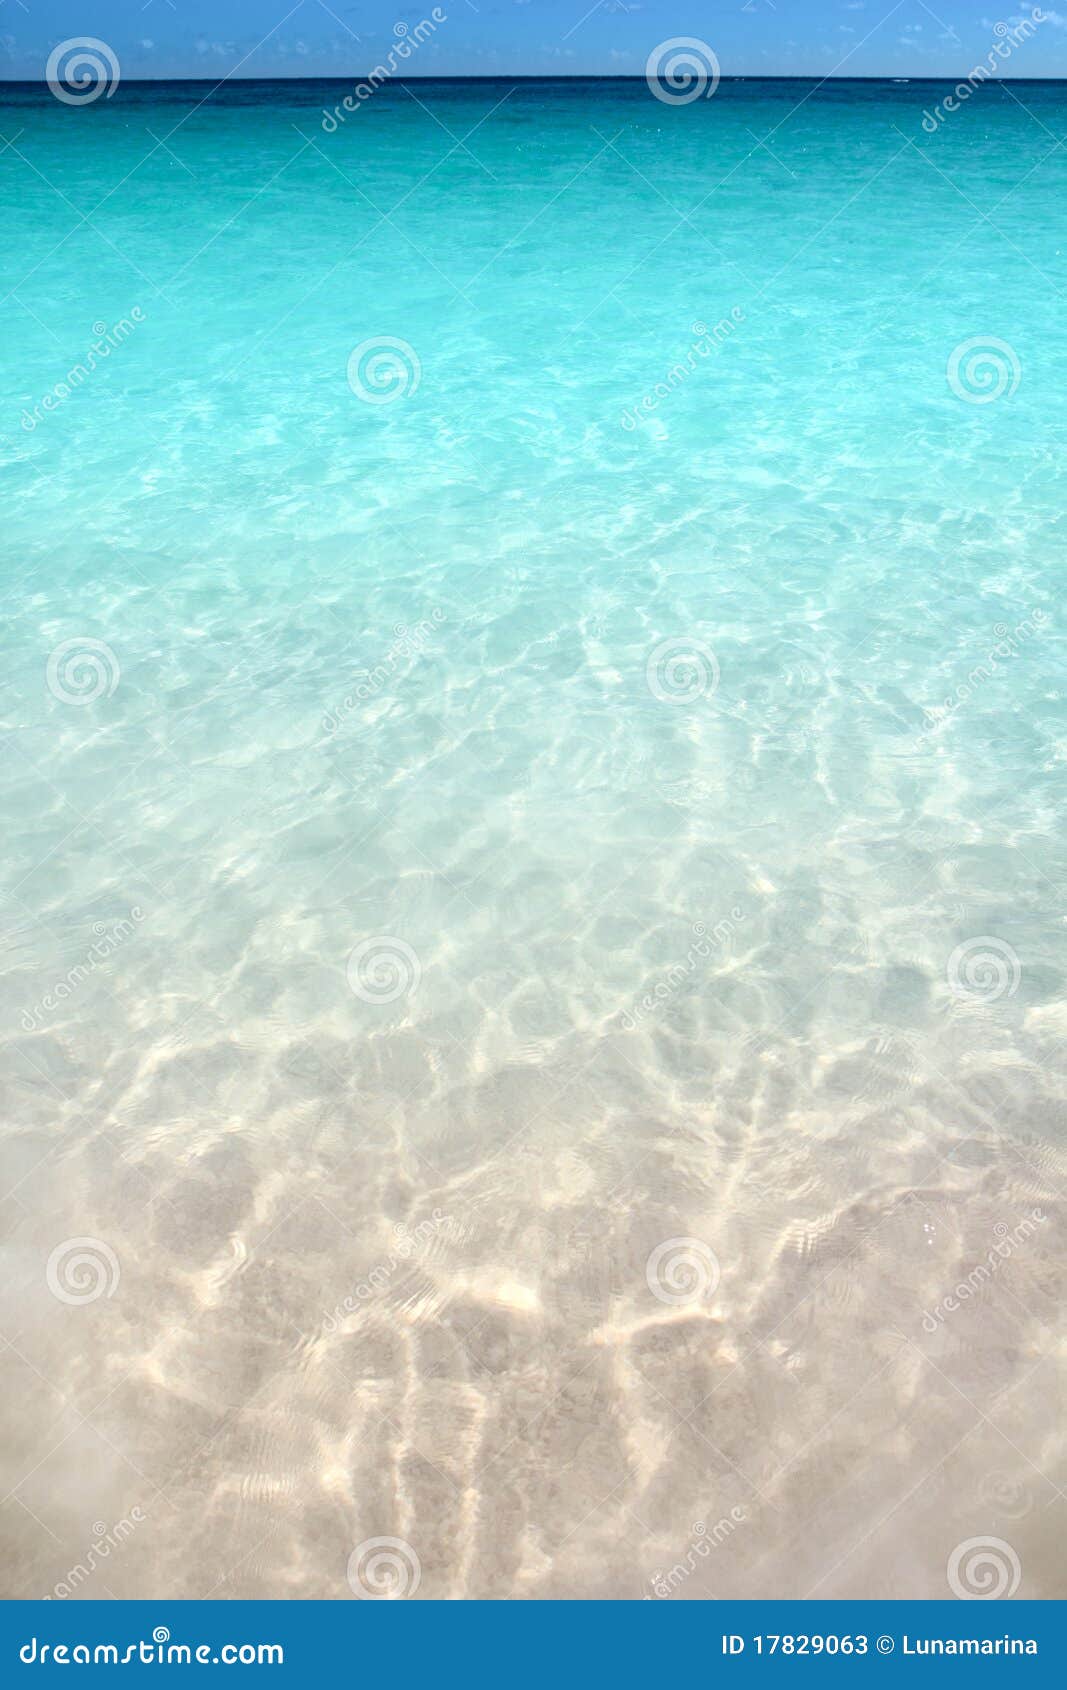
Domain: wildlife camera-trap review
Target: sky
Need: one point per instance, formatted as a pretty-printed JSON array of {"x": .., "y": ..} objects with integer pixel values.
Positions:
[{"x": 344, "y": 38}]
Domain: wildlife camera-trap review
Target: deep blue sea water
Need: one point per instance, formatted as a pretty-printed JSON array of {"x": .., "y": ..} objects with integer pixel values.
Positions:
[{"x": 534, "y": 728}]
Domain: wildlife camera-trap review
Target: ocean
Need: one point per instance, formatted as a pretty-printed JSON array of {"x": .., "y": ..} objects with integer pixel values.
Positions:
[{"x": 533, "y": 943}]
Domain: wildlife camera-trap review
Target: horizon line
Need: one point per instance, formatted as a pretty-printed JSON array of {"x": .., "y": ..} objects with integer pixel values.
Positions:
[{"x": 538, "y": 76}]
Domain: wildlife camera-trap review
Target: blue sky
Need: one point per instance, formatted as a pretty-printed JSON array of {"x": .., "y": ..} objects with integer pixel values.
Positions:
[{"x": 216, "y": 38}]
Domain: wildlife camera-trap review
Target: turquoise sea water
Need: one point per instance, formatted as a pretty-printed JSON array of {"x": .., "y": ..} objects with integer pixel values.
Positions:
[{"x": 534, "y": 725}]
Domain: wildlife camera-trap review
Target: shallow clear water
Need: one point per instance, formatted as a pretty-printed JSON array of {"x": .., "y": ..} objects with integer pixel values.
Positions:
[{"x": 469, "y": 829}]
